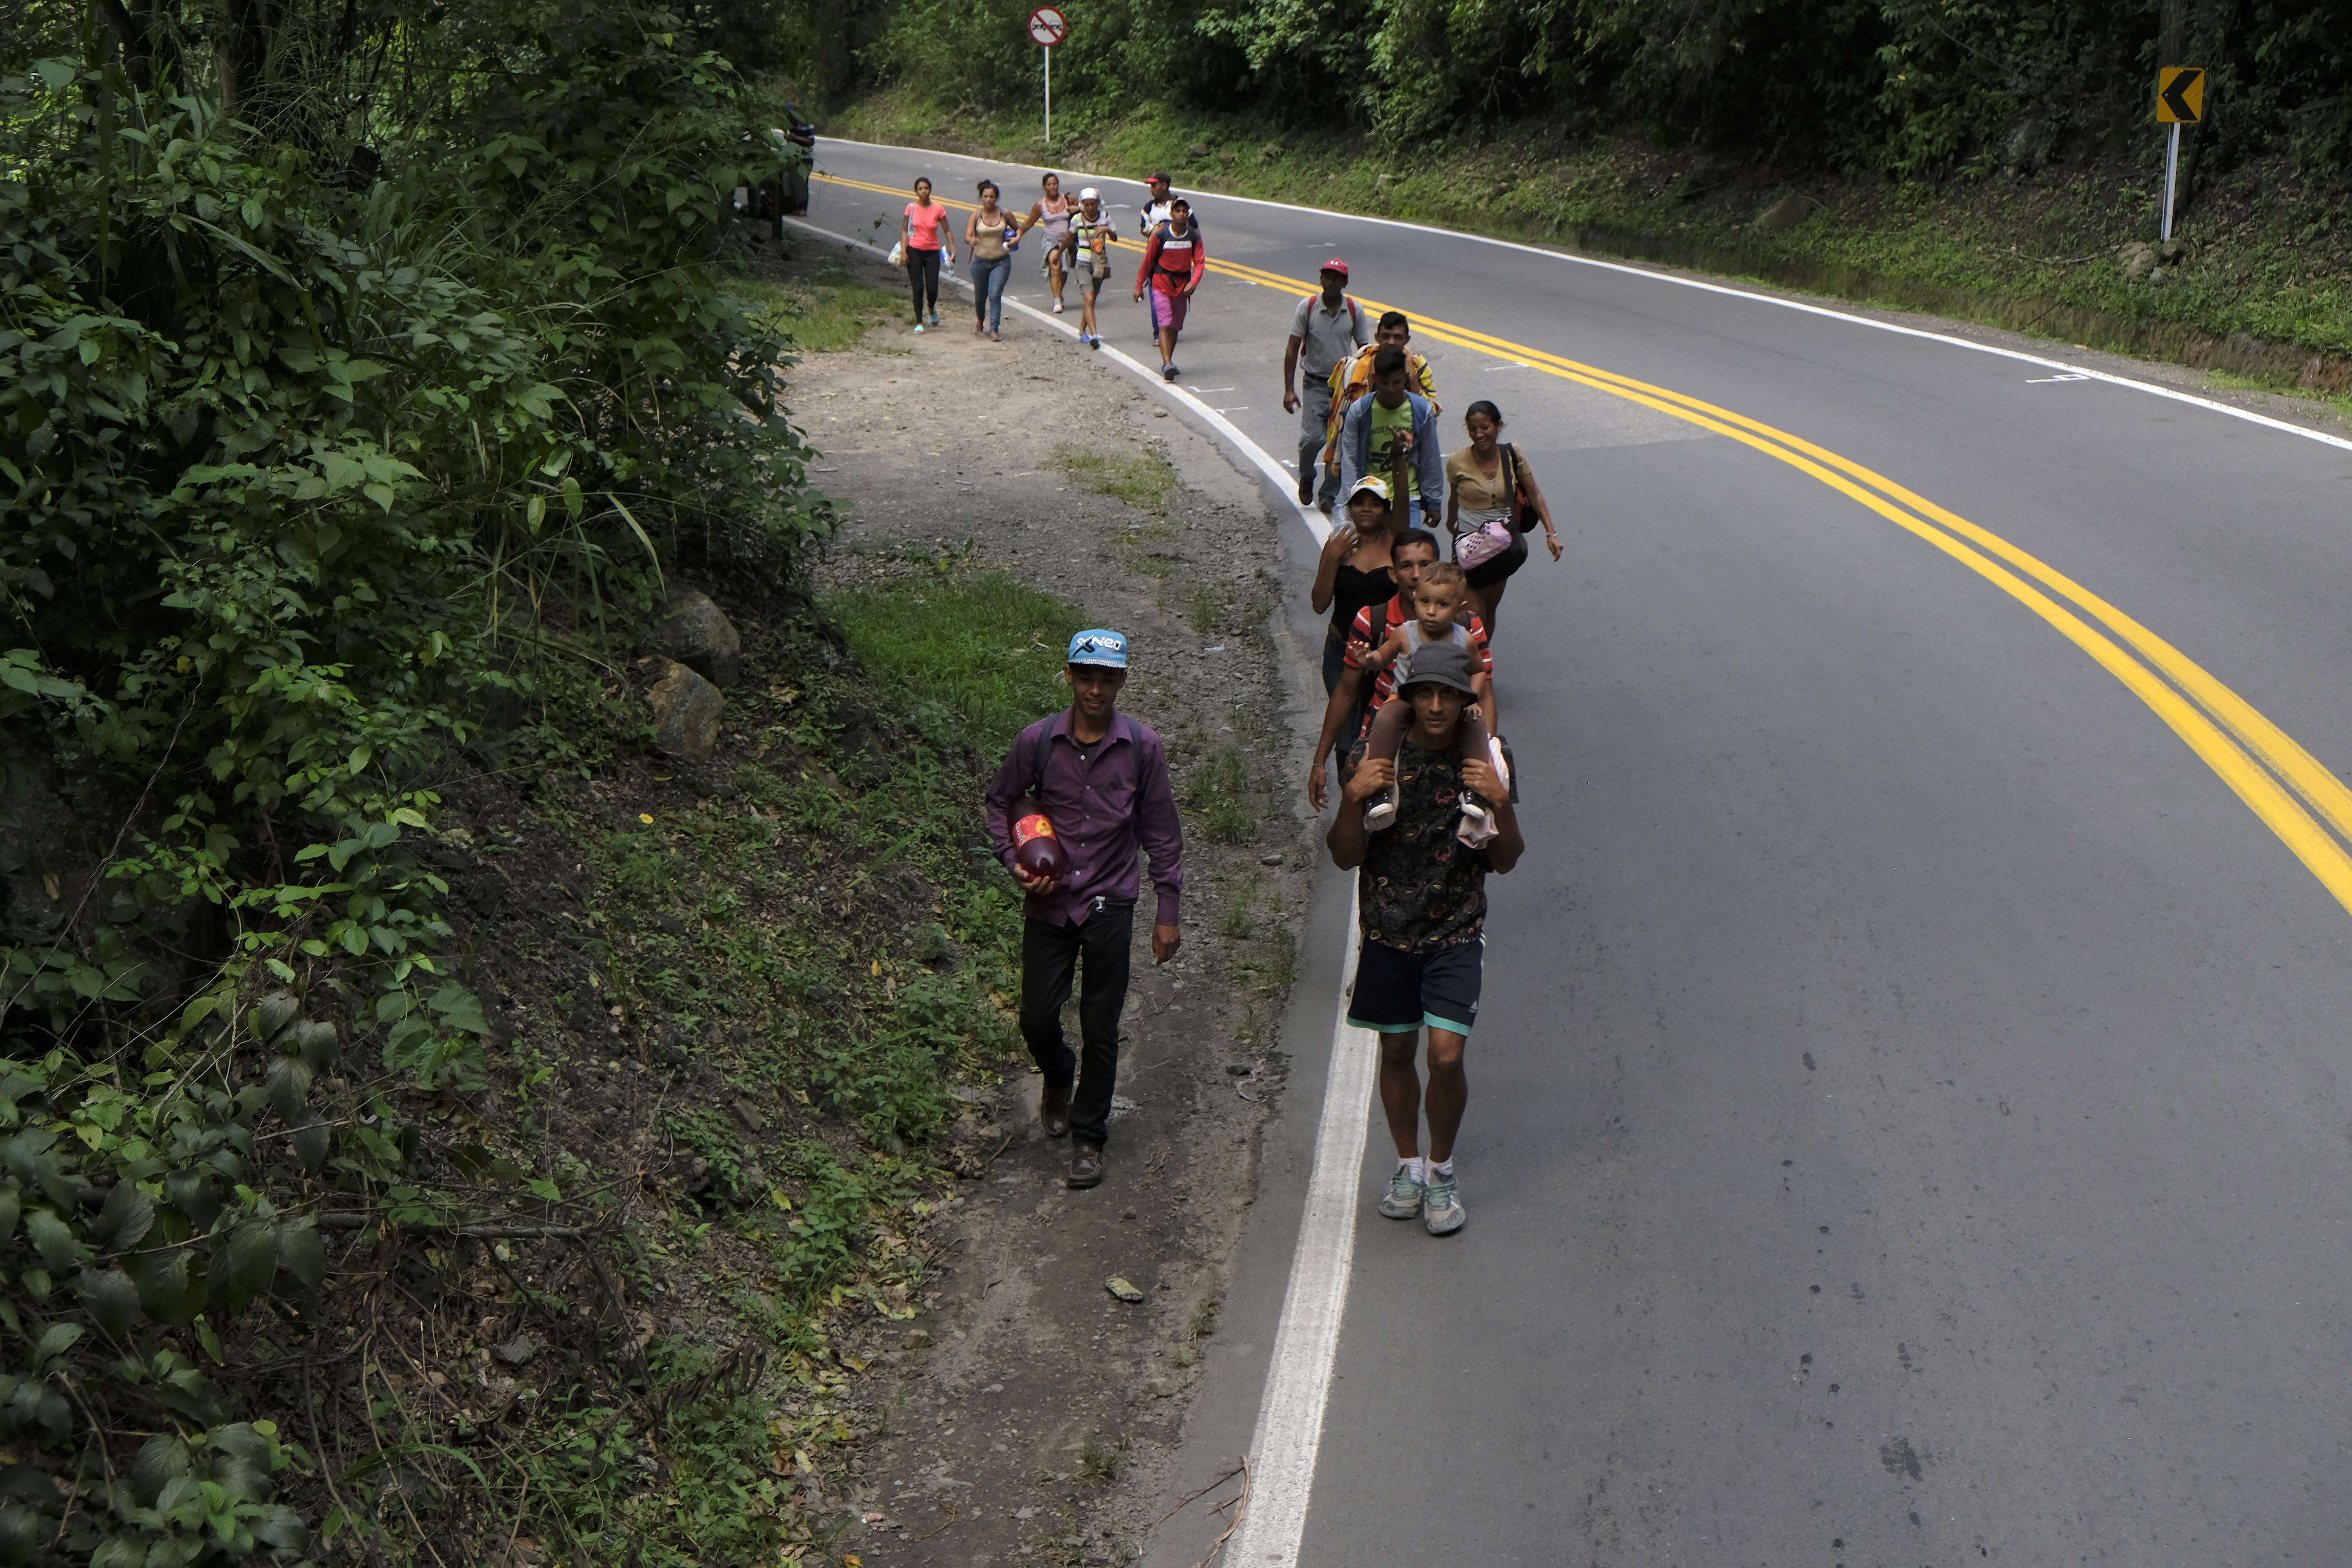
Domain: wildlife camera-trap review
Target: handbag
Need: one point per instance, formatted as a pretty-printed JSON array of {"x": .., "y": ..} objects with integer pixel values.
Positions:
[
  {"x": 1472, "y": 550},
  {"x": 1523, "y": 511},
  {"x": 1491, "y": 538}
]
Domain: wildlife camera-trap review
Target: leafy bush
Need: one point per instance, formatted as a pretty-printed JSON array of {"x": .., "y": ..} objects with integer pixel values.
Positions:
[
  {"x": 1920, "y": 88},
  {"x": 335, "y": 430}
]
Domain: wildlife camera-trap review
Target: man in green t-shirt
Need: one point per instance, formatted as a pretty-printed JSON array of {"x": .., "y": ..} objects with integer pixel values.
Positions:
[{"x": 1377, "y": 421}]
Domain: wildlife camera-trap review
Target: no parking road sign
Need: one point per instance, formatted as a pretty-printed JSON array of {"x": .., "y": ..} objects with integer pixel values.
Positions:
[{"x": 1048, "y": 26}]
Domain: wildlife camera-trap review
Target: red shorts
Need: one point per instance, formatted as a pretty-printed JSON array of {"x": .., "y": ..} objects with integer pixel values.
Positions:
[{"x": 1167, "y": 309}]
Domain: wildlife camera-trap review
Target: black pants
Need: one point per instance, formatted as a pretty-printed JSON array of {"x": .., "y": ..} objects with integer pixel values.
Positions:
[
  {"x": 1048, "y": 955},
  {"x": 923, "y": 277}
]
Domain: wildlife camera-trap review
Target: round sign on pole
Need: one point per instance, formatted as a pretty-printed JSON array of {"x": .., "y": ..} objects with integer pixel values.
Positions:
[{"x": 1047, "y": 26}]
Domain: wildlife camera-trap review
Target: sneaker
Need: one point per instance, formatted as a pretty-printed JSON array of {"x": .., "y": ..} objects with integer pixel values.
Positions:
[
  {"x": 1057, "y": 307},
  {"x": 919, "y": 326},
  {"x": 1404, "y": 1196},
  {"x": 1095, "y": 341},
  {"x": 1381, "y": 810},
  {"x": 1174, "y": 371},
  {"x": 934, "y": 318},
  {"x": 1443, "y": 1213},
  {"x": 1168, "y": 373}
]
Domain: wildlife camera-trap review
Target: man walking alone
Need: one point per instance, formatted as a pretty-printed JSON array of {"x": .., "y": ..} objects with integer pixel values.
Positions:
[
  {"x": 1324, "y": 330},
  {"x": 1174, "y": 261},
  {"x": 1421, "y": 909},
  {"x": 1101, "y": 779}
]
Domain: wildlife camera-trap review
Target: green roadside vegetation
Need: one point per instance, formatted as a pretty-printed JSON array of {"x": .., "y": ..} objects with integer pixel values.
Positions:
[
  {"x": 978, "y": 658},
  {"x": 828, "y": 313},
  {"x": 1986, "y": 161},
  {"x": 801, "y": 942},
  {"x": 435, "y": 1125}
]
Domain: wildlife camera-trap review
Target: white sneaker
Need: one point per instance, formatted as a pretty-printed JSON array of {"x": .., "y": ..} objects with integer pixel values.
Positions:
[
  {"x": 1057, "y": 307},
  {"x": 1381, "y": 810},
  {"x": 1441, "y": 1204}
]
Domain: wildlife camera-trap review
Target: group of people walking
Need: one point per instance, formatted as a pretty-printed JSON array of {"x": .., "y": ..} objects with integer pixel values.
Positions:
[
  {"x": 1078, "y": 238},
  {"x": 1427, "y": 806}
]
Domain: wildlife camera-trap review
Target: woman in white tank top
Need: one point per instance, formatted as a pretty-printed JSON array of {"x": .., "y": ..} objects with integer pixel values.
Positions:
[{"x": 1053, "y": 210}]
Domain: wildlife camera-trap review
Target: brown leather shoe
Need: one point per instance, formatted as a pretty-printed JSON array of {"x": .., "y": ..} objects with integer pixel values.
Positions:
[
  {"x": 1053, "y": 1109},
  {"x": 1086, "y": 1164}
]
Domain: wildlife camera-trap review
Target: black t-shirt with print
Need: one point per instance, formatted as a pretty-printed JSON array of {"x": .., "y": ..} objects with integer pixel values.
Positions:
[{"x": 1420, "y": 888}]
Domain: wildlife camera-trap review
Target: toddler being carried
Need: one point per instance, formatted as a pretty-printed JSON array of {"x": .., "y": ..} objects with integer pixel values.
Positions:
[{"x": 1440, "y": 604}]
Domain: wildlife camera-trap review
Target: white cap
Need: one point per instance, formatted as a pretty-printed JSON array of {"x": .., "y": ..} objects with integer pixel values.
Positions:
[{"x": 1090, "y": 194}]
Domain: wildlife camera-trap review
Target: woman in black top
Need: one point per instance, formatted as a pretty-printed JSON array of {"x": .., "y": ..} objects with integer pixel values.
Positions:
[{"x": 1354, "y": 570}]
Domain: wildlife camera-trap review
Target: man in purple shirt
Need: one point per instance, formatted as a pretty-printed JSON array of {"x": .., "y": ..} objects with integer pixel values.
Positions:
[{"x": 1102, "y": 780}]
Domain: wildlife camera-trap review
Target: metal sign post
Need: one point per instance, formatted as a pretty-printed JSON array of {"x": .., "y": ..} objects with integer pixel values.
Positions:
[
  {"x": 2179, "y": 100},
  {"x": 1048, "y": 27}
]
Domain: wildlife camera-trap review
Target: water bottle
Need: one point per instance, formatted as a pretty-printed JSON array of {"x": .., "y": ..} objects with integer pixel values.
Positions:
[{"x": 1036, "y": 849}]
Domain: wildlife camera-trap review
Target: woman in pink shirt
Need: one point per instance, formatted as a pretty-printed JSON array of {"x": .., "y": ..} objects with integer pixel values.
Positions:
[{"x": 924, "y": 239}]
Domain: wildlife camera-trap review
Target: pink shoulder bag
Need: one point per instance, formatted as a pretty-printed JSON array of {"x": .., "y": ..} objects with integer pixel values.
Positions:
[{"x": 1487, "y": 541}]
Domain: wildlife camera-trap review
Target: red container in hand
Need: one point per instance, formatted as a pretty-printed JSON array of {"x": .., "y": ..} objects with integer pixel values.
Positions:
[{"x": 1036, "y": 849}]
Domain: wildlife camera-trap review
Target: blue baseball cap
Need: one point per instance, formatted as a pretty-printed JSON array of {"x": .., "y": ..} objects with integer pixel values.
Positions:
[{"x": 1098, "y": 646}]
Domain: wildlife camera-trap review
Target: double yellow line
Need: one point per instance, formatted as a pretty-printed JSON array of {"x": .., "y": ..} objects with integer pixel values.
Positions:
[{"x": 2298, "y": 798}]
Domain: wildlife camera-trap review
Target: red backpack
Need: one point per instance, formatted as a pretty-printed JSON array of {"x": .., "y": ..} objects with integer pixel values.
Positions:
[{"x": 1355, "y": 312}]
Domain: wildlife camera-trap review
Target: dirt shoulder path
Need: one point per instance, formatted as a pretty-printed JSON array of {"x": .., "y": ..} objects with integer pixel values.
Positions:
[{"x": 1031, "y": 1413}]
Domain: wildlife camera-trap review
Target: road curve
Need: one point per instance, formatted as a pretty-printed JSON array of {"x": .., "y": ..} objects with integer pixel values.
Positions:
[{"x": 1906, "y": 1124}]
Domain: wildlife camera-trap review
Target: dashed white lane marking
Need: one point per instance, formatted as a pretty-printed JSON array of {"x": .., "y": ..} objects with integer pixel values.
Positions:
[{"x": 1307, "y": 1341}]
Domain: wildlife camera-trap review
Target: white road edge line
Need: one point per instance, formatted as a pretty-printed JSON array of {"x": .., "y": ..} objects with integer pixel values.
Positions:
[
  {"x": 1307, "y": 1341},
  {"x": 1285, "y": 483},
  {"x": 2248, "y": 415}
]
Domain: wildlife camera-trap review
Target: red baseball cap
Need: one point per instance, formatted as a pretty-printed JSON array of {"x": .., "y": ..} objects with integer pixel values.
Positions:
[{"x": 1335, "y": 265}]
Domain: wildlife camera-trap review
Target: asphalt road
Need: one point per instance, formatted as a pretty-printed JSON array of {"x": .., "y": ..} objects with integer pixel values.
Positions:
[{"x": 1907, "y": 1124}]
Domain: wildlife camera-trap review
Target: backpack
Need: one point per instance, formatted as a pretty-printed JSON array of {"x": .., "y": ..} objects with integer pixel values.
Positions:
[
  {"x": 1355, "y": 316},
  {"x": 1523, "y": 511}
]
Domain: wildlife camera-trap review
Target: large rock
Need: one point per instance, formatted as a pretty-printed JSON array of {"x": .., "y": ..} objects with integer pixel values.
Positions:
[
  {"x": 685, "y": 712},
  {"x": 698, "y": 634}
]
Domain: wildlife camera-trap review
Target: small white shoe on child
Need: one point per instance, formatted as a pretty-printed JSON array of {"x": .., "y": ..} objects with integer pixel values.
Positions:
[
  {"x": 1381, "y": 810},
  {"x": 1477, "y": 823}
]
